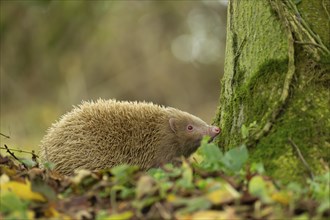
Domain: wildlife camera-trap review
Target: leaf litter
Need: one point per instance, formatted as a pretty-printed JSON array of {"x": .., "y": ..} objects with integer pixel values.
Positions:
[{"x": 221, "y": 185}]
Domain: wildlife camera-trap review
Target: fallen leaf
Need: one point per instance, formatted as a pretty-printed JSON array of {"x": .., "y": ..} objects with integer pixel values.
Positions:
[
  {"x": 119, "y": 216},
  {"x": 22, "y": 190},
  {"x": 80, "y": 175},
  {"x": 261, "y": 188},
  {"x": 171, "y": 198},
  {"x": 215, "y": 215},
  {"x": 282, "y": 197},
  {"x": 145, "y": 186},
  {"x": 220, "y": 196}
]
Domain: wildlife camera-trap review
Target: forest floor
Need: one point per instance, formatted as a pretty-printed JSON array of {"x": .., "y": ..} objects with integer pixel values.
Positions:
[{"x": 214, "y": 185}]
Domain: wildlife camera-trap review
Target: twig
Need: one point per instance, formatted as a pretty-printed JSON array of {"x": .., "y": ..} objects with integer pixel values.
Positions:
[
  {"x": 20, "y": 151},
  {"x": 34, "y": 158},
  {"x": 325, "y": 9},
  {"x": 301, "y": 157},
  {"x": 163, "y": 212},
  {"x": 113, "y": 201},
  {"x": 13, "y": 155},
  {"x": 309, "y": 43},
  {"x": 239, "y": 50},
  {"x": 6, "y": 136},
  {"x": 304, "y": 27}
]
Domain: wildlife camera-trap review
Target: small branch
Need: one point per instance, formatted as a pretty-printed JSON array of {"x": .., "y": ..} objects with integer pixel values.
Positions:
[
  {"x": 6, "y": 136},
  {"x": 34, "y": 158},
  {"x": 309, "y": 43},
  {"x": 13, "y": 155},
  {"x": 325, "y": 9},
  {"x": 20, "y": 151},
  {"x": 239, "y": 50},
  {"x": 304, "y": 27},
  {"x": 301, "y": 157},
  {"x": 162, "y": 211}
]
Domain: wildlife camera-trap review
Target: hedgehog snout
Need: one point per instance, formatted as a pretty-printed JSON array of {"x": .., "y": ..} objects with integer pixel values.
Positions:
[{"x": 214, "y": 131}]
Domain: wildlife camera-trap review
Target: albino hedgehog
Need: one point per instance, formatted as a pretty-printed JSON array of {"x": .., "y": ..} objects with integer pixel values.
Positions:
[{"x": 106, "y": 133}]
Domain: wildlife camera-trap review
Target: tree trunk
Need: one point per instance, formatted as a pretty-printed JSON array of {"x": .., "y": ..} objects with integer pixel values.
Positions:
[{"x": 275, "y": 90}]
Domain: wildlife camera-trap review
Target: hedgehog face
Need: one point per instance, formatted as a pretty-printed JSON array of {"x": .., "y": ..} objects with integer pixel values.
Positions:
[{"x": 189, "y": 131}]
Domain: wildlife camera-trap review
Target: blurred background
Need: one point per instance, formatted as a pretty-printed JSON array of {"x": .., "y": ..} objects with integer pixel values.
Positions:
[{"x": 56, "y": 53}]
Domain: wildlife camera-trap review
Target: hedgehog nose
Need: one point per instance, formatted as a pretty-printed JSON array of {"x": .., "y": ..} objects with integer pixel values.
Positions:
[{"x": 214, "y": 130}]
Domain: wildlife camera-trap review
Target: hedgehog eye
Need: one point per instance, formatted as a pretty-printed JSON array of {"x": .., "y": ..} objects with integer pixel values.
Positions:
[{"x": 190, "y": 127}]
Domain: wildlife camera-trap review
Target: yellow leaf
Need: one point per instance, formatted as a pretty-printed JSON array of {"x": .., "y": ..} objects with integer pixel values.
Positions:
[
  {"x": 22, "y": 190},
  {"x": 209, "y": 215},
  {"x": 219, "y": 196},
  {"x": 227, "y": 214},
  {"x": 223, "y": 195},
  {"x": 171, "y": 198},
  {"x": 183, "y": 217},
  {"x": 52, "y": 213},
  {"x": 121, "y": 216},
  {"x": 30, "y": 215},
  {"x": 281, "y": 197}
]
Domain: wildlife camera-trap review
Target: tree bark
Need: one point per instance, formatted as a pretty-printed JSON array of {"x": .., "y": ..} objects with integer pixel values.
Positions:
[{"x": 275, "y": 89}]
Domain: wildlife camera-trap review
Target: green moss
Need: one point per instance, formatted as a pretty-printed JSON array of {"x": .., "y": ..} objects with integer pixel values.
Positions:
[
  {"x": 260, "y": 92},
  {"x": 254, "y": 95},
  {"x": 306, "y": 122}
]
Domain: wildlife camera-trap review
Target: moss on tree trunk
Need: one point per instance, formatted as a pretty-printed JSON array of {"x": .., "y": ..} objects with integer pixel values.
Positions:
[{"x": 277, "y": 75}]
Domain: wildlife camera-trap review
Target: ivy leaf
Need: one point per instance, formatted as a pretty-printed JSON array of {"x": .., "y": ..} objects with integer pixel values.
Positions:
[
  {"x": 235, "y": 158},
  {"x": 211, "y": 154}
]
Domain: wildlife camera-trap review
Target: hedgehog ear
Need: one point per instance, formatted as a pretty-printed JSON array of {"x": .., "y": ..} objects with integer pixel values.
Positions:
[{"x": 172, "y": 124}]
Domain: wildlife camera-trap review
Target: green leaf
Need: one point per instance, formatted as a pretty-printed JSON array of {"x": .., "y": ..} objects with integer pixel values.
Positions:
[
  {"x": 235, "y": 158},
  {"x": 258, "y": 168},
  {"x": 192, "y": 204},
  {"x": 186, "y": 180},
  {"x": 126, "y": 193},
  {"x": 12, "y": 207},
  {"x": 244, "y": 131},
  {"x": 11, "y": 202},
  {"x": 123, "y": 173},
  {"x": 164, "y": 188},
  {"x": 157, "y": 173},
  {"x": 41, "y": 187},
  {"x": 258, "y": 187},
  {"x": 29, "y": 162},
  {"x": 148, "y": 201},
  {"x": 211, "y": 154},
  {"x": 102, "y": 214}
]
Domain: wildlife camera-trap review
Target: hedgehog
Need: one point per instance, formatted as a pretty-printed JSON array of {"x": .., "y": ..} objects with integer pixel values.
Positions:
[{"x": 105, "y": 133}]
